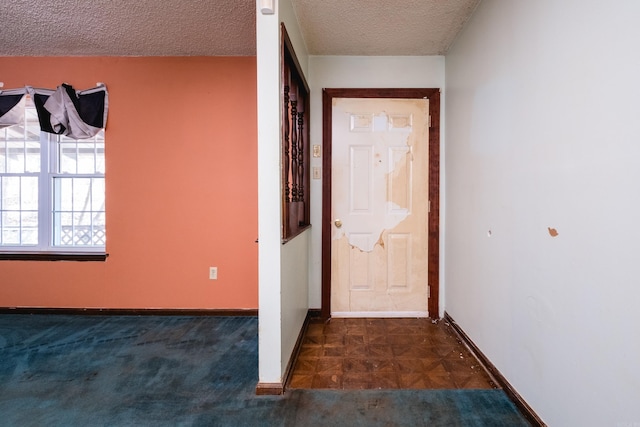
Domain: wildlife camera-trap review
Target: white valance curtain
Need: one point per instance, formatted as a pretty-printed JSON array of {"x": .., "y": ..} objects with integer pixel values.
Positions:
[{"x": 78, "y": 114}]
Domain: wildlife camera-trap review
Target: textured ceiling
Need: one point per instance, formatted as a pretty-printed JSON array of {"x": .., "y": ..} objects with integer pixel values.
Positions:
[
  {"x": 128, "y": 27},
  {"x": 389, "y": 27},
  {"x": 224, "y": 27}
]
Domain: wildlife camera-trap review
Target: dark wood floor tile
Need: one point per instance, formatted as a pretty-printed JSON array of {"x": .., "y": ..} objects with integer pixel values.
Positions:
[
  {"x": 377, "y": 350},
  {"x": 310, "y": 352},
  {"x": 337, "y": 351},
  {"x": 400, "y": 350},
  {"x": 414, "y": 380},
  {"x": 355, "y": 322},
  {"x": 421, "y": 339},
  {"x": 460, "y": 365},
  {"x": 435, "y": 369},
  {"x": 381, "y": 365},
  {"x": 355, "y": 340},
  {"x": 410, "y": 366},
  {"x": 479, "y": 384},
  {"x": 449, "y": 351},
  {"x": 400, "y": 339},
  {"x": 301, "y": 381},
  {"x": 400, "y": 330},
  {"x": 356, "y": 350},
  {"x": 412, "y": 351},
  {"x": 440, "y": 382},
  {"x": 335, "y": 328},
  {"x": 358, "y": 365},
  {"x": 415, "y": 330},
  {"x": 430, "y": 353},
  {"x": 377, "y": 323},
  {"x": 376, "y": 339},
  {"x": 357, "y": 330},
  {"x": 315, "y": 329},
  {"x": 356, "y": 381},
  {"x": 332, "y": 365},
  {"x": 305, "y": 366},
  {"x": 331, "y": 381},
  {"x": 334, "y": 340},
  {"x": 471, "y": 381},
  {"x": 430, "y": 361},
  {"x": 385, "y": 354},
  {"x": 385, "y": 380},
  {"x": 313, "y": 339},
  {"x": 392, "y": 323},
  {"x": 441, "y": 335}
]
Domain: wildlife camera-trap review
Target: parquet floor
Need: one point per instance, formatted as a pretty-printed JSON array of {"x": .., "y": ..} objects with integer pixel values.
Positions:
[{"x": 385, "y": 354}]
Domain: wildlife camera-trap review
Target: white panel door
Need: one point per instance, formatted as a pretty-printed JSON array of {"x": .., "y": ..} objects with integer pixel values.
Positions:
[{"x": 379, "y": 205}]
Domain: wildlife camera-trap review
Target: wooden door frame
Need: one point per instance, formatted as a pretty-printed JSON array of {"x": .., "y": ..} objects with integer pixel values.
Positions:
[{"x": 433, "y": 95}]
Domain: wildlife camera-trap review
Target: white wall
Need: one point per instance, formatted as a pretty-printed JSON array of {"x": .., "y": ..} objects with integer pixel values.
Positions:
[
  {"x": 358, "y": 72},
  {"x": 295, "y": 253},
  {"x": 543, "y": 130},
  {"x": 283, "y": 269},
  {"x": 288, "y": 17},
  {"x": 269, "y": 257},
  {"x": 295, "y": 292}
]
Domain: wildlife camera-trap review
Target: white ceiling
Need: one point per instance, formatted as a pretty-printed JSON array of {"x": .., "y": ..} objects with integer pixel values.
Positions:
[
  {"x": 382, "y": 27},
  {"x": 225, "y": 27}
]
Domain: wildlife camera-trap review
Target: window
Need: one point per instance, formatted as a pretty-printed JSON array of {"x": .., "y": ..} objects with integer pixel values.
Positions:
[{"x": 52, "y": 191}]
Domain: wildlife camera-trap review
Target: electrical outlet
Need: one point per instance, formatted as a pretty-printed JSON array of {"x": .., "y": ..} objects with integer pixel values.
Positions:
[{"x": 213, "y": 273}]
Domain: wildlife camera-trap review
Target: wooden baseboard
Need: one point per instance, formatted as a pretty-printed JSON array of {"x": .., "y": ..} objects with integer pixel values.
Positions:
[
  {"x": 272, "y": 389},
  {"x": 279, "y": 388},
  {"x": 515, "y": 397},
  {"x": 312, "y": 313},
  {"x": 129, "y": 311}
]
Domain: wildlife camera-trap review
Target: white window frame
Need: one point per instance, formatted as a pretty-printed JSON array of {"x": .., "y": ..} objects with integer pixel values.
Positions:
[{"x": 50, "y": 151}]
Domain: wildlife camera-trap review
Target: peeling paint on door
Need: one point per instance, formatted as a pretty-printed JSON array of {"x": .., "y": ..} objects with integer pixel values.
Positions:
[{"x": 379, "y": 193}]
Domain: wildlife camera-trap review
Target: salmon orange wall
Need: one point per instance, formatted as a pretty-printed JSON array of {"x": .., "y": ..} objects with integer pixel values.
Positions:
[{"x": 181, "y": 186}]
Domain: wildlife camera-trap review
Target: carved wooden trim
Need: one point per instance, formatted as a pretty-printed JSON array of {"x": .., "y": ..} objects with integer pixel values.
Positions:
[
  {"x": 295, "y": 151},
  {"x": 285, "y": 162},
  {"x": 301, "y": 166}
]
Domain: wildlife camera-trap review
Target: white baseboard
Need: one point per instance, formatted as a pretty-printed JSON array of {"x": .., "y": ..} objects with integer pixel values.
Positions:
[{"x": 352, "y": 314}]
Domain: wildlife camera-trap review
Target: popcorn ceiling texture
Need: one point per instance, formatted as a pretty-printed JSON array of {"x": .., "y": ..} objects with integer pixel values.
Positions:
[
  {"x": 127, "y": 28},
  {"x": 384, "y": 27},
  {"x": 224, "y": 27}
]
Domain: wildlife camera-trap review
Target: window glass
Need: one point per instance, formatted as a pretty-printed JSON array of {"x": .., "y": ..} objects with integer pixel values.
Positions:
[{"x": 52, "y": 190}]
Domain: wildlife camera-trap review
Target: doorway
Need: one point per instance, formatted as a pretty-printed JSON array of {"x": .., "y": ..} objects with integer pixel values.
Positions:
[{"x": 363, "y": 117}]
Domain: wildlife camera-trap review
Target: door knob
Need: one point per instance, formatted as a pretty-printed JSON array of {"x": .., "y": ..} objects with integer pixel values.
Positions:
[{"x": 338, "y": 223}]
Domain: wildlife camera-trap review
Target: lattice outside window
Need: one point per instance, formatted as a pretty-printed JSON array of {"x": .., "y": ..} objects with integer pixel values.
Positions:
[{"x": 295, "y": 144}]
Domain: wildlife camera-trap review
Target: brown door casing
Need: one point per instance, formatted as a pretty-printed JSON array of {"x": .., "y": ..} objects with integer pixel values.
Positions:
[{"x": 434, "y": 184}]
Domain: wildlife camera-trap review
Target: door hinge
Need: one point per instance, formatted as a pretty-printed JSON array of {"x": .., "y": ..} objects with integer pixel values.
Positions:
[
  {"x": 429, "y": 120},
  {"x": 428, "y": 291},
  {"x": 429, "y": 206}
]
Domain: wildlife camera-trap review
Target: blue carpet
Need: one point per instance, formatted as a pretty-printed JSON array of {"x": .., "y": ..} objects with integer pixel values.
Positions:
[{"x": 58, "y": 370}]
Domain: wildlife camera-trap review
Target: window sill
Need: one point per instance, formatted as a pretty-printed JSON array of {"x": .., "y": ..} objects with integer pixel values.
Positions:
[
  {"x": 299, "y": 231},
  {"x": 53, "y": 256}
]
